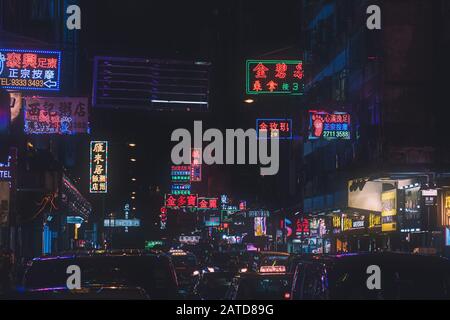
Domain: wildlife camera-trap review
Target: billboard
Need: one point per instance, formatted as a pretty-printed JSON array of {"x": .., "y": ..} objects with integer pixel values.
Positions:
[
  {"x": 410, "y": 216},
  {"x": 274, "y": 128},
  {"x": 260, "y": 226},
  {"x": 329, "y": 126},
  {"x": 146, "y": 83},
  {"x": 365, "y": 195},
  {"x": 285, "y": 77},
  {"x": 389, "y": 210},
  {"x": 98, "y": 172},
  {"x": 30, "y": 69},
  {"x": 56, "y": 115}
]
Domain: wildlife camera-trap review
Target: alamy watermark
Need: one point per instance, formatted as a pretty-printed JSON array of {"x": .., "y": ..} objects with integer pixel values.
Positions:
[{"x": 213, "y": 153}]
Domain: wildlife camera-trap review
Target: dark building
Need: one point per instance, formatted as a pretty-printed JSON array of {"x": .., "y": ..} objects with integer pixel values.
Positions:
[{"x": 390, "y": 81}]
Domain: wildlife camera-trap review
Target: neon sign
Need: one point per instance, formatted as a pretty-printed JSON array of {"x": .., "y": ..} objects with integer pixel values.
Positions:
[
  {"x": 30, "y": 69},
  {"x": 181, "y": 188},
  {"x": 174, "y": 201},
  {"x": 207, "y": 203},
  {"x": 196, "y": 165},
  {"x": 274, "y": 128},
  {"x": 324, "y": 125},
  {"x": 98, "y": 167},
  {"x": 275, "y": 77},
  {"x": 180, "y": 173}
]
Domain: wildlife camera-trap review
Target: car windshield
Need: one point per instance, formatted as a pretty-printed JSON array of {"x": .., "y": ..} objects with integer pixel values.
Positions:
[
  {"x": 215, "y": 285},
  {"x": 147, "y": 272},
  {"x": 264, "y": 288},
  {"x": 274, "y": 260},
  {"x": 184, "y": 260}
]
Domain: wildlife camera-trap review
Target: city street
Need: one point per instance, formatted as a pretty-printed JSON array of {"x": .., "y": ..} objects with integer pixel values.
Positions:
[{"x": 224, "y": 150}]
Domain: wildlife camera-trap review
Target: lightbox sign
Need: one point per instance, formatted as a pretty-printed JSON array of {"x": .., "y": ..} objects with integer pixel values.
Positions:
[
  {"x": 329, "y": 126},
  {"x": 196, "y": 165},
  {"x": 207, "y": 203},
  {"x": 285, "y": 77},
  {"x": 274, "y": 128},
  {"x": 116, "y": 223},
  {"x": 174, "y": 201},
  {"x": 30, "y": 69},
  {"x": 389, "y": 210},
  {"x": 260, "y": 226},
  {"x": 56, "y": 116},
  {"x": 98, "y": 182}
]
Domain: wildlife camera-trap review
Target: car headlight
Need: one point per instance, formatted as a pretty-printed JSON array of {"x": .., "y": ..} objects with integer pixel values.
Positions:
[
  {"x": 210, "y": 269},
  {"x": 243, "y": 270},
  {"x": 196, "y": 273}
]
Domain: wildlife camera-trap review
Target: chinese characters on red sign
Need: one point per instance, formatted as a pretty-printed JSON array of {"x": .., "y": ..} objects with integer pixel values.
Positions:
[
  {"x": 274, "y": 128},
  {"x": 275, "y": 77},
  {"x": 174, "y": 201},
  {"x": 56, "y": 115},
  {"x": 30, "y": 69},
  {"x": 207, "y": 203},
  {"x": 196, "y": 165},
  {"x": 99, "y": 167},
  {"x": 336, "y": 125}
]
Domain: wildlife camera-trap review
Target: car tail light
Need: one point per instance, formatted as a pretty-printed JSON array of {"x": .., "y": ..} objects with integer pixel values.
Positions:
[{"x": 287, "y": 295}]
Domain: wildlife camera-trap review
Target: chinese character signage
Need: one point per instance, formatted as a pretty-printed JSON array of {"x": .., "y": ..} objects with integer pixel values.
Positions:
[
  {"x": 174, "y": 201},
  {"x": 242, "y": 205},
  {"x": 181, "y": 173},
  {"x": 389, "y": 210},
  {"x": 324, "y": 125},
  {"x": 302, "y": 227},
  {"x": 99, "y": 167},
  {"x": 196, "y": 165},
  {"x": 207, "y": 203},
  {"x": 275, "y": 77},
  {"x": 56, "y": 116},
  {"x": 274, "y": 128},
  {"x": 181, "y": 188},
  {"x": 30, "y": 69}
]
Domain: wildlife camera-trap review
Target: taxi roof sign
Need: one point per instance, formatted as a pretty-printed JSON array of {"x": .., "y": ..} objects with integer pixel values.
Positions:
[{"x": 272, "y": 269}]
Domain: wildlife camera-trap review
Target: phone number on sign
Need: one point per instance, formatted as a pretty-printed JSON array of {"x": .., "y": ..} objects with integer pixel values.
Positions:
[{"x": 21, "y": 82}]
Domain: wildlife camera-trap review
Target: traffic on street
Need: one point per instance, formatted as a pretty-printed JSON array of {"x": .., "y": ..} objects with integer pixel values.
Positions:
[{"x": 224, "y": 151}]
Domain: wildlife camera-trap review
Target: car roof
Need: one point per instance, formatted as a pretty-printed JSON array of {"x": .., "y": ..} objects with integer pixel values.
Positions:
[{"x": 97, "y": 254}]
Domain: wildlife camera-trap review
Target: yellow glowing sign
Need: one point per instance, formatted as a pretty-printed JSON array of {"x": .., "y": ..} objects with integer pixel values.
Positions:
[
  {"x": 374, "y": 220},
  {"x": 389, "y": 210}
]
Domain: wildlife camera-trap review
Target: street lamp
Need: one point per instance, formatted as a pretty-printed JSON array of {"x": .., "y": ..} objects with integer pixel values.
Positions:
[
  {"x": 249, "y": 101},
  {"x": 133, "y": 179},
  {"x": 133, "y": 160},
  {"x": 132, "y": 145}
]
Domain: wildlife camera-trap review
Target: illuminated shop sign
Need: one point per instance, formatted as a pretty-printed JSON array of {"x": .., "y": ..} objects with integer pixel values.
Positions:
[
  {"x": 213, "y": 221},
  {"x": 180, "y": 173},
  {"x": 336, "y": 222},
  {"x": 207, "y": 203},
  {"x": 284, "y": 77},
  {"x": 98, "y": 167},
  {"x": 374, "y": 220},
  {"x": 152, "y": 244},
  {"x": 56, "y": 115},
  {"x": 116, "y": 223},
  {"x": 174, "y": 201},
  {"x": 196, "y": 165},
  {"x": 274, "y": 128},
  {"x": 258, "y": 213},
  {"x": 328, "y": 126},
  {"x": 163, "y": 218},
  {"x": 181, "y": 188},
  {"x": 260, "y": 226},
  {"x": 8, "y": 169},
  {"x": 30, "y": 69},
  {"x": 389, "y": 210},
  {"x": 302, "y": 227}
]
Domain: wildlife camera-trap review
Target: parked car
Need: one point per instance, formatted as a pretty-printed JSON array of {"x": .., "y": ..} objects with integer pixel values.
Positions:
[
  {"x": 152, "y": 273},
  {"x": 354, "y": 276}
]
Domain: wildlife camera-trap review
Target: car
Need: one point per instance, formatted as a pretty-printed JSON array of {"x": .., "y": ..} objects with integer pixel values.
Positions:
[
  {"x": 213, "y": 285},
  {"x": 255, "y": 260},
  {"x": 354, "y": 276},
  {"x": 153, "y": 273},
  {"x": 269, "y": 283},
  {"x": 186, "y": 268}
]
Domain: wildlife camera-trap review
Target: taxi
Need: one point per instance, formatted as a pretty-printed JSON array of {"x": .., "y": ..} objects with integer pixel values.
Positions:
[{"x": 270, "y": 282}]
